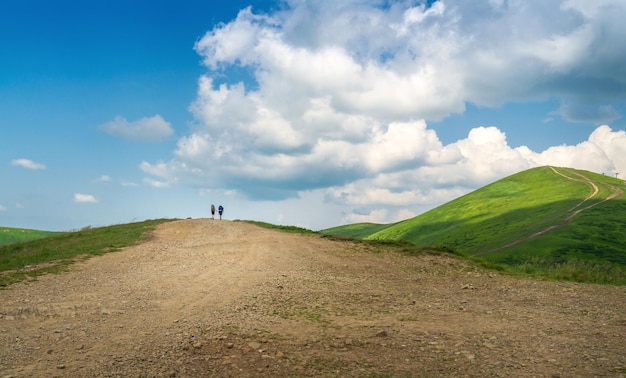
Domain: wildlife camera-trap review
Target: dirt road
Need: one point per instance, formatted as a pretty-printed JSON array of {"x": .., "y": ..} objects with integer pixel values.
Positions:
[{"x": 208, "y": 298}]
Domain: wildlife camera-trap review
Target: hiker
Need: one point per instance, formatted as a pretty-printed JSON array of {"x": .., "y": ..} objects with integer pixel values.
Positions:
[
  {"x": 212, "y": 211},
  {"x": 220, "y": 210}
]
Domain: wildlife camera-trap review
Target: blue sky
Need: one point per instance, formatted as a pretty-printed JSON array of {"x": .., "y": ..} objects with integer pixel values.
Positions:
[{"x": 313, "y": 114}]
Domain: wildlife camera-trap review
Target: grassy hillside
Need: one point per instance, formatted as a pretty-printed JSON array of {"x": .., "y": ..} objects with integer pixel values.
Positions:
[
  {"x": 544, "y": 215},
  {"x": 21, "y": 260},
  {"x": 10, "y": 235},
  {"x": 356, "y": 230}
]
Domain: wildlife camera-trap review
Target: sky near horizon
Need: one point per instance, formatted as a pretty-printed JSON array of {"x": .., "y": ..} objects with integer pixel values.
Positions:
[{"x": 307, "y": 113}]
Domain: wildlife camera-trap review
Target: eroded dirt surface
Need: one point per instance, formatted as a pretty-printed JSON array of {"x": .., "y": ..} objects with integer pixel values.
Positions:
[{"x": 208, "y": 298}]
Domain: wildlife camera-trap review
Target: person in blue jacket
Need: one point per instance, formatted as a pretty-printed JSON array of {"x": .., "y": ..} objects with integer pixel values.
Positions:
[{"x": 220, "y": 210}]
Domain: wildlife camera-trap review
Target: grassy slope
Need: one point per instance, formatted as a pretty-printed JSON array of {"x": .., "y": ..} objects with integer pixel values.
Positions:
[
  {"x": 356, "y": 230},
  {"x": 499, "y": 213},
  {"x": 517, "y": 207},
  {"x": 596, "y": 234},
  {"x": 21, "y": 260},
  {"x": 12, "y": 235}
]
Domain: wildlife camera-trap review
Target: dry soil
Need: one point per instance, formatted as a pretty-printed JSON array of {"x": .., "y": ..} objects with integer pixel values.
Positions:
[{"x": 210, "y": 298}]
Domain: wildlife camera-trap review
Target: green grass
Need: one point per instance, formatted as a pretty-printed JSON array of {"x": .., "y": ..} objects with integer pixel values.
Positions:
[
  {"x": 356, "y": 230},
  {"x": 494, "y": 215},
  {"x": 291, "y": 229},
  {"x": 29, "y": 259},
  {"x": 13, "y": 235},
  {"x": 486, "y": 222},
  {"x": 571, "y": 270}
]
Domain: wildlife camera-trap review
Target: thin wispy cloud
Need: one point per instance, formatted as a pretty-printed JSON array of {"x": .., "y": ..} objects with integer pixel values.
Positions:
[
  {"x": 156, "y": 183},
  {"x": 28, "y": 164}
]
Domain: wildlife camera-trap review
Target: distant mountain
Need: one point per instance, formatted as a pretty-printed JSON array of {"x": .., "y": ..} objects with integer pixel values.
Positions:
[
  {"x": 546, "y": 212},
  {"x": 10, "y": 235}
]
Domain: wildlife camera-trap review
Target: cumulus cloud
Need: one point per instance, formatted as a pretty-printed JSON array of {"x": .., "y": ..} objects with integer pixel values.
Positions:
[
  {"x": 27, "y": 163},
  {"x": 84, "y": 198},
  {"x": 484, "y": 156},
  {"x": 3, "y": 208},
  {"x": 604, "y": 151},
  {"x": 147, "y": 129},
  {"x": 339, "y": 96}
]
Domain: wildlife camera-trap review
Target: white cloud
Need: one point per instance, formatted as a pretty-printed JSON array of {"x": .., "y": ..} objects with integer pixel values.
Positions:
[
  {"x": 84, "y": 198},
  {"x": 104, "y": 178},
  {"x": 147, "y": 129},
  {"x": 27, "y": 163},
  {"x": 340, "y": 93},
  {"x": 156, "y": 183},
  {"x": 3, "y": 208},
  {"x": 374, "y": 216},
  {"x": 484, "y": 156},
  {"x": 603, "y": 152}
]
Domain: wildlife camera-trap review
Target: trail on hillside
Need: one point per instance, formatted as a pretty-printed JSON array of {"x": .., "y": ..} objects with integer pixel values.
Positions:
[
  {"x": 571, "y": 213},
  {"x": 209, "y": 298}
]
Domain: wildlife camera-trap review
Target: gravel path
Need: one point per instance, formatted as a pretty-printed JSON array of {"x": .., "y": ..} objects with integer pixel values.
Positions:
[{"x": 209, "y": 298}]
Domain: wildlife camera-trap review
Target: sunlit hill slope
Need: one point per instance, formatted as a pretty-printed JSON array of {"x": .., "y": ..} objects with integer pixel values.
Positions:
[{"x": 546, "y": 212}]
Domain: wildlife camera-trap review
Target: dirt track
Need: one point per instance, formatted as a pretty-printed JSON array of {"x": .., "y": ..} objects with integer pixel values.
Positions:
[{"x": 208, "y": 298}]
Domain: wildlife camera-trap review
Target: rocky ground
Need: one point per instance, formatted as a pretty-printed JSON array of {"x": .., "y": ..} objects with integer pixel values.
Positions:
[{"x": 210, "y": 298}]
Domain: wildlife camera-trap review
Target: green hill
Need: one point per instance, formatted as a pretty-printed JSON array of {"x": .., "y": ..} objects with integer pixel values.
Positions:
[
  {"x": 10, "y": 235},
  {"x": 355, "y": 230},
  {"x": 547, "y": 212}
]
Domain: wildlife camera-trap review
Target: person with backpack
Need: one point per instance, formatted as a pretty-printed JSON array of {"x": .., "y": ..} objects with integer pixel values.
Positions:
[
  {"x": 212, "y": 211},
  {"x": 220, "y": 210}
]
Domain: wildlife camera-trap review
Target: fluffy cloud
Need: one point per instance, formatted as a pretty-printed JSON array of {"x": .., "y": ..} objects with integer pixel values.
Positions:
[
  {"x": 27, "y": 163},
  {"x": 3, "y": 208},
  {"x": 482, "y": 157},
  {"x": 147, "y": 129},
  {"x": 604, "y": 151},
  {"x": 339, "y": 95},
  {"x": 84, "y": 198}
]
